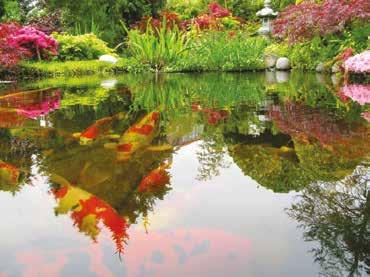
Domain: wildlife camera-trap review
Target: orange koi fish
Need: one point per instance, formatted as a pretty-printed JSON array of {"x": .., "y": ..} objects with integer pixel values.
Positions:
[
  {"x": 99, "y": 128},
  {"x": 9, "y": 174},
  {"x": 138, "y": 136},
  {"x": 156, "y": 178},
  {"x": 87, "y": 211}
]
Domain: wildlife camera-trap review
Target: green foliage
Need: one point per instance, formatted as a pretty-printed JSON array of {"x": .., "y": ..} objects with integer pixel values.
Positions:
[
  {"x": 157, "y": 48},
  {"x": 106, "y": 13},
  {"x": 92, "y": 28},
  {"x": 245, "y": 8},
  {"x": 187, "y": 9},
  {"x": 10, "y": 10},
  {"x": 81, "y": 47},
  {"x": 278, "y": 49},
  {"x": 307, "y": 55},
  {"x": 248, "y": 8},
  {"x": 223, "y": 51},
  {"x": 70, "y": 68}
]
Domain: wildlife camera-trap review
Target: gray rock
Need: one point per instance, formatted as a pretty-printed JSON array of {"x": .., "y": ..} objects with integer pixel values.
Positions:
[
  {"x": 320, "y": 68},
  {"x": 335, "y": 68},
  {"x": 270, "y": 77},
  {"x": 283, "y": 63},
  {"x": 282, "y": 76},
  {"x": 270, "y": 60}
]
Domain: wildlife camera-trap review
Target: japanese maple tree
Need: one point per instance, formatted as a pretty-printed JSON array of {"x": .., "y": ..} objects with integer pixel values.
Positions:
[
  {"x": 10, "y": 55},
  {"x": 309, "y": 19},
  {"x": 37, "y": 42}
]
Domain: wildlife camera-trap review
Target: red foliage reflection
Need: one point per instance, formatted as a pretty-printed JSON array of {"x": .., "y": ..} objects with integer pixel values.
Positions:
[
  {"x": 214, "y": 116},
  {"x": 302, "y": 122}
]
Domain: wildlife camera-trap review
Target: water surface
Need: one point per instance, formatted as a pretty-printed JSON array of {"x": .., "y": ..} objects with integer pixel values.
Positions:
[{"x": 258, "y": 174}]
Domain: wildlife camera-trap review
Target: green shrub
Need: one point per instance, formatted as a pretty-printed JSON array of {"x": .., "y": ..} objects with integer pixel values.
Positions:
[
  {"x": 157, "y": 48},
  {"x": 278, "y": 49},
  {"x": 187, "y": 9},
  {"x": 70, "y": 68},
  {"x": 223, "y": 51},
  {"x": 307, "y": 55},
  {"x": 81, "y": 47}
]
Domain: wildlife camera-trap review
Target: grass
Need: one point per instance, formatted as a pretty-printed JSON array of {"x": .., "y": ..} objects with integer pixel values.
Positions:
[
  {"x": 223, "y": 51},
  {"x": 79, "y": 68},
  {"x": 157, "y": 48},
  {"x": 167, "y": 51}
]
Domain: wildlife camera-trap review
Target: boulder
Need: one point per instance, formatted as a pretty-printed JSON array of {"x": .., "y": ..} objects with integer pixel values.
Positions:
[
  {"x": 320, "y": 68},
  {"x": 108, "y": 59},
  {"x": 335, "y": 68},
  {"x": 283, "y": 64},
  {"x": 270, "y": 60}
]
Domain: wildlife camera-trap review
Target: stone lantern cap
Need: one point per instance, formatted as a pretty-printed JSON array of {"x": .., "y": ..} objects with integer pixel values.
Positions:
[{"x": 267, "y": 11}]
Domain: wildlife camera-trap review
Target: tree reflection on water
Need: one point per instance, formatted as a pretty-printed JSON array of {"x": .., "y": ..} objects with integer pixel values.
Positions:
[{"x": 336, "y": 215}]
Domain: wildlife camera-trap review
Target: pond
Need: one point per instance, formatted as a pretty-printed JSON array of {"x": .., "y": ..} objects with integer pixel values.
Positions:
[{"x": 258, "y": 174}]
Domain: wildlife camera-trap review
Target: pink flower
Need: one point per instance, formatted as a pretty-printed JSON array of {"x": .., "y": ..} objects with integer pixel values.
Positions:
[
  {"x": 358, "y": 93},
  {"x": 359, "y": 63},
  {"x": 366, "y": 115}
]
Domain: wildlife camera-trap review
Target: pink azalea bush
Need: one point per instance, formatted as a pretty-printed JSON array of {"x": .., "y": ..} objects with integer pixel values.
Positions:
[
  {"x": 309, "y": 19},
  {"x": 359, "y": 63},
  {"x": 358, "y": 93},
  {"x": 40, "y": 44}
]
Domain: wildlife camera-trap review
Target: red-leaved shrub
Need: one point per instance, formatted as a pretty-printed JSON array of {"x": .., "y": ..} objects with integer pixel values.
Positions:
[
  {"x": 37, "y": 42},
  {"x": 17, "y": 43},
  {"x": 170, "y": 19},
  {"x": 212, "y": 19},
  {"x": 216, "y": 10},
  {"x": 10, "y": 55},
  {"x": 309, "y": 19}
]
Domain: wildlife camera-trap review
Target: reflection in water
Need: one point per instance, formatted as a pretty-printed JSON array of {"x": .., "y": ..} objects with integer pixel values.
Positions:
[
  {"x": 105, "y": 151},
  {"x": 358, "y": 93},
  {"x": 138, "y": 136},
  {"x": 337, "y": 216},
  {"x": 87, "y": 211}
]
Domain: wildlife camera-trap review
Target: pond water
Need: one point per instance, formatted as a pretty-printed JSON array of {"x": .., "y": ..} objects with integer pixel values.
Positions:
[{"x": 258, "y": 174}]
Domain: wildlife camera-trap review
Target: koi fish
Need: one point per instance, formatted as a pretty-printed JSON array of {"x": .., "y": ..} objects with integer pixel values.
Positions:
[
  {"x": 138, "y": 136},
  {"x": 87, "y": 211},
  {"x": 155, "y": 179},
  {"x": 99, "y": 128},
  {"x": 9, "y": 174}
]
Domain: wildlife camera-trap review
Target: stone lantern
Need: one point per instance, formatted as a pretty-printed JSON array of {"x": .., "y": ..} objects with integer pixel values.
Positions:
[{"x": 266, "y": 14}]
